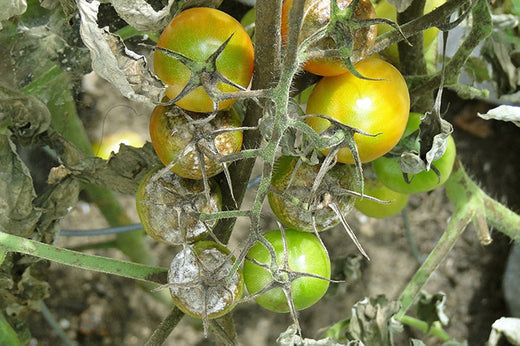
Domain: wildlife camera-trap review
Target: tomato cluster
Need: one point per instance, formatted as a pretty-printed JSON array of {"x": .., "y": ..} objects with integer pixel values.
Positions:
[
  {"x": 356, "y": 114},
  {"x": 201, "y": 54}
]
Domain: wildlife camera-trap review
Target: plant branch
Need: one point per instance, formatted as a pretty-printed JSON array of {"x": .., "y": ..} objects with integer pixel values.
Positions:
[
  {"x": 471, "y": 204},
  {"x": 165, "y": 328},
  {"x": 265, "y": 75},
  {"x": 12, "y": 243}
]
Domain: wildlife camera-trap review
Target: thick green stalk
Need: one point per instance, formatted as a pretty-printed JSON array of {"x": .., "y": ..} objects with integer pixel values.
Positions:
[
  {"x": 152, "y": 275},
  {"x": 435, "y": 329},
  {"x": 165, "y": 328},
  {"x": 455, "y": 228},
  {"x": 471, "y": 204}
]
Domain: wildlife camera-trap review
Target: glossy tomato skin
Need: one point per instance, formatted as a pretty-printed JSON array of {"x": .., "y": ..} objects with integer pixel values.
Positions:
[
  {"x": 171, "y": 132},
  {"x": 316, "y": 16},
  {"x": 374, "y": 188},
  {"x": 298, "y": 186},
  {"x": 389, "y": 172},
  {"x": 305, "y": 254},
  {"x": 197, "y": 33},
  {"x": 378, "y": 107}
]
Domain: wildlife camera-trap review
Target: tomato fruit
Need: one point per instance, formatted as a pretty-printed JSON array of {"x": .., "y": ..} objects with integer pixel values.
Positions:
[
  {"x": 197, "y": 33},
  {"x": 370, "y": 208},
  {"x": 171, "y": 133},
  {"x": 199, "y": 280},
  {"x": 378, "y": 107},
  {"x": 316, "y": 16},
  {"x": 384, "y": 9},
  {"x": 169, "y": 206},
  {"x": 296, "y": 215},
  {"x": 389, "y": 172},
  {"x": 110, "y": 144},
  {"x": 305, "y": 254}
]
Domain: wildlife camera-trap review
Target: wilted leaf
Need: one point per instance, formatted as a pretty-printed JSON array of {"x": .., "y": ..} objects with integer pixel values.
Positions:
[
  {"x": 372, "y": 321},
  {"x": 12, "y": 8},
  {"x": 477, "y": 69},
  {"x": 497, "y": 51},
  {"x": 56, "y": 201},
  {"x": 122, "y": 172},
  {"x": 504, "y": 113},
  {"x": 17, "y": 214},
  {"x": 291, "y": 337},
  {"x": 123, "y": 68},
  {"x": 507, "y": 327},
  {"x": 430, "y": 308},
  {"x": 25, "y": 115},
  {"x": 400, "y": 5},
  {"x": 141, "y": 15}
]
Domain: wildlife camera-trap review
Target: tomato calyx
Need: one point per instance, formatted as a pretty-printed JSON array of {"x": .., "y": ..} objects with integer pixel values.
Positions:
[
  {"x": 338, "y": 136},
  {"x": 204, "y": 74},
  {"x": 281, "y": 274},
  {"x": 424, "y": 142},
  {"x": 202, "y": 283},
  {"x": 352, "y": 33}
]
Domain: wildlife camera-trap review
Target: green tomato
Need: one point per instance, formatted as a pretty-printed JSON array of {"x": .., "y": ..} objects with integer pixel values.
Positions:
[
  {"x": 305, "y": 254},
  {"x": 370, "y": 208},
  {"x": 388, "y": 171}
]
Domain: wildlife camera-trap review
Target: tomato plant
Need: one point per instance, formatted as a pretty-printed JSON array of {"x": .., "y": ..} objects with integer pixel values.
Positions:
[
  {"x": 378, "y": 107},
  {"x": 389, "y": 172},
  {"x": 197, "y": 33},
  {"x": 395, "y": 201},
  {"x": 169, "y": 207},
  {"x": 176, "y": 138},
  {"x": 200, "y": 281},
  {"x": 291, "y": 191},
  {"x": 304, "y": 254},
  {"x": 316, "y": 16}
]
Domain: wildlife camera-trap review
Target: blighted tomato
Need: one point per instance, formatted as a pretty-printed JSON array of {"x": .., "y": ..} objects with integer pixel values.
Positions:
[
  {"x": 172, "y": 130},
  {"x": 197, "y": 33},
  {"x": 200, "y": 282},
  {"x": 169, "y": 207},
  {"x": 304, "y": 253},
  {"x": 316, "y": 16},
  {"x": 290, "y": 192},
  {"x": 378, "y": 107}
]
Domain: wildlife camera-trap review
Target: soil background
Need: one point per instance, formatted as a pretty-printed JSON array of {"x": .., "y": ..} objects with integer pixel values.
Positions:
[{"x": 100, "y": 309}]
